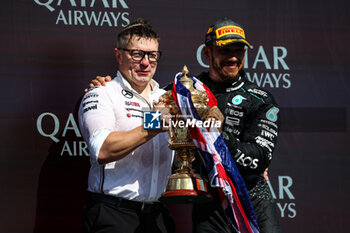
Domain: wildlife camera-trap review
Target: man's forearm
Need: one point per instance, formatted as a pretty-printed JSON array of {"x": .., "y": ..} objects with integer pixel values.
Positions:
[{"x": 119, "y": 144}]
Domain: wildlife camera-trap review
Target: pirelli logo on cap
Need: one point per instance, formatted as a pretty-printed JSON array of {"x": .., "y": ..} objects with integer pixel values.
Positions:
[{"x": 229, "y": 30}]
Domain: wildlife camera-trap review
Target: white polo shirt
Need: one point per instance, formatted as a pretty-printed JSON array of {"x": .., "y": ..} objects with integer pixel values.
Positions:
[{"x": 142, "y": 174}]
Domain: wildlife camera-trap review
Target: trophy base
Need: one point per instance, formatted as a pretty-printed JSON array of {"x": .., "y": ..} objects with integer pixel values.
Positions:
[
  {"x": 186, "y": 188},
  {"x": 185, "y": 196}
]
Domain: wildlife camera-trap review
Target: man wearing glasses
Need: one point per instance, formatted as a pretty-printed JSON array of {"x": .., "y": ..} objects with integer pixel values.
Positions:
[{"x": 129, "y": 165}]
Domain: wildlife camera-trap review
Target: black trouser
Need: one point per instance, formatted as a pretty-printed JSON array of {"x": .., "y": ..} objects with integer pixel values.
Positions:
[
  {"x": 210, "y": 218},
  {"x": 108, "y": 214},
  {"x": 265, "y": 208}
]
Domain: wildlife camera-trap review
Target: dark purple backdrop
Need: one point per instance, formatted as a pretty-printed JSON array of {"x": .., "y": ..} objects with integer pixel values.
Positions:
[{"x": 50, "y": 51}]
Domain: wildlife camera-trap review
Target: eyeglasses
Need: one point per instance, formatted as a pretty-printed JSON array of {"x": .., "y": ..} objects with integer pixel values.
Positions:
[{"x": 138, "y": 55}]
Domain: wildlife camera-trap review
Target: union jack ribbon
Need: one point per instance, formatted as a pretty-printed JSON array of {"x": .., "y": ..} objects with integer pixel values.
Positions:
[{"x": 221, "y": 168}]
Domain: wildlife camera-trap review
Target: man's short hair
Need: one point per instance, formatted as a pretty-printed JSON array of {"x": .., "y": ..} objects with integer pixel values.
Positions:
[{"x": 140, "y": 28}]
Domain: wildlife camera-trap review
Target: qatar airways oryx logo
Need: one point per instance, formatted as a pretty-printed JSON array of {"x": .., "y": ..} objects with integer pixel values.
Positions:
[{"x": 99, "y": 13}]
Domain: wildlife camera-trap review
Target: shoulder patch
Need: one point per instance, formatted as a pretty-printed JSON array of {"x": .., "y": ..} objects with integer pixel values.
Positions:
[
  {"x": 258, "y": 92},
  {"x": 271, "y": 114},
  {"x": 93, "y": 88}
]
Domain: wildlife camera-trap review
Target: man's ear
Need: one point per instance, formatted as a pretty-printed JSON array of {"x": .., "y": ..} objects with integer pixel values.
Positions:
[
  {"x": 117, "y": 55},
  {"x": 206, "y": 52}
]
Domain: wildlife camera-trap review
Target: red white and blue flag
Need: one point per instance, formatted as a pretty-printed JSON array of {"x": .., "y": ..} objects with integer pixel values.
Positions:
[{"x": 221, "y": 168}]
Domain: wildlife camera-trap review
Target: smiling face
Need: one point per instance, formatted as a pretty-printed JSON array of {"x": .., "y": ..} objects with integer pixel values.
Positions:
[
  {"x": 225, "y": 62},
  {"x": 137, "y": 73}
]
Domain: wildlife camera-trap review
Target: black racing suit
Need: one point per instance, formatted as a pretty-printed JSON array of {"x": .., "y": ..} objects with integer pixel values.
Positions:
[{"x": 250, "y": 130}]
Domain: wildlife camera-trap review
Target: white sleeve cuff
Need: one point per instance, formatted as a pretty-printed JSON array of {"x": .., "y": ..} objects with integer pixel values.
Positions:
[{"x": 96, "y": 142}]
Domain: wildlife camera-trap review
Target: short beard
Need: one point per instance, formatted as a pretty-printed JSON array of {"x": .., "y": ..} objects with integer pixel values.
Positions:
[{"x": 224, "y": 78}]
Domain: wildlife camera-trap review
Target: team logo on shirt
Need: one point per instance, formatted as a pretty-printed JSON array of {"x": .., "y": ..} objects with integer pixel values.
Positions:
[
  {"x": 132, "y": 104},
  {"x": 271, "y": 115},
  {"x": 238, "y": 99},
  {"x": 127, "y": 94},
  {"x": 151, "y": 120}
]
